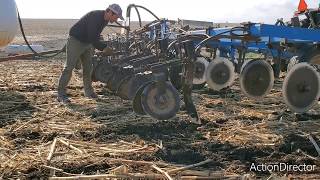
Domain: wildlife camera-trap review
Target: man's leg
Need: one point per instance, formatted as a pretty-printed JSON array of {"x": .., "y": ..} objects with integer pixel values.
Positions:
[
  {"x": 77, "y": 70},
  {"x": 74, "y": 49},
  {"x": 86, "y": 59},
  {"x": 78, "y": 66}
]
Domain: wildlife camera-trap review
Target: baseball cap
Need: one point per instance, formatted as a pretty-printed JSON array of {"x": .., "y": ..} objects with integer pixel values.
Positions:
[{"x": 116, "y": 9}]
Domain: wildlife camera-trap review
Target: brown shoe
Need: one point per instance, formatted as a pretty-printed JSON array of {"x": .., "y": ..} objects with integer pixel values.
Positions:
[{"x": 63, "y": 99}]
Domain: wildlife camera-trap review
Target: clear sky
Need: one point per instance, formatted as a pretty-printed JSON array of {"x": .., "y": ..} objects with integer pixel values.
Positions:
[{"x": 208, "y": 10}]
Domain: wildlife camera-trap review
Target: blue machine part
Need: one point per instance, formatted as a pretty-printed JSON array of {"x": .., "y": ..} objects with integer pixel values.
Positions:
[
  {"x": 161, "y": 33},
  {"x": 291, "y": 34},
  {"x": 267, "y": 34}
]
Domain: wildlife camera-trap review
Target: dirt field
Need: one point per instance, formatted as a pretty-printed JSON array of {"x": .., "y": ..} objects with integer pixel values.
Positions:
[{"x": 105, "y": 136}]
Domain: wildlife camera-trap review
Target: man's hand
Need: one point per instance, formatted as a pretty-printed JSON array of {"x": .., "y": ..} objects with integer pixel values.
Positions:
[{"x": 107, "y": 51}]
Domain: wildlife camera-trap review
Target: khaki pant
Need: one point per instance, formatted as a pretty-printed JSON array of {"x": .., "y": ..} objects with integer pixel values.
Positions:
[{"x": 77, "y": 51}]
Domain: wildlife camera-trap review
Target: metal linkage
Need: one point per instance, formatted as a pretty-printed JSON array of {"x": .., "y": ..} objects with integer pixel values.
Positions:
[{"x": 139, "y": 69}]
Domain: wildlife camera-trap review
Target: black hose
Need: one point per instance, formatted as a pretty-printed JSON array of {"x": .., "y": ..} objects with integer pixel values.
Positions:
[
  {"x": 239, "y": 28},
  {"x": 147, "y": 11},
  {"x": 187, "y": 37},
  {"x": 139, "y": 17},
  {"x": 128, "y": 14},
  {"x": 205, "y": 41},
  {"x": 118, "y": 26},
  {"x": 33, "y": 51},
  {"x": 200, "y": 45}
]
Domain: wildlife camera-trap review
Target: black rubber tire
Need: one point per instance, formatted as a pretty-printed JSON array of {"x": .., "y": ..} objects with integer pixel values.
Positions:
[
  {"x": 149, "y": 103},
  {"x": 260, "y": 83},
  {"x": 136, "y": 103}
]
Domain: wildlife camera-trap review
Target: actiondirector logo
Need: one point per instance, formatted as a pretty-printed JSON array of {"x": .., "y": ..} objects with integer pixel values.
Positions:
[{"x": 282, "y": 167}]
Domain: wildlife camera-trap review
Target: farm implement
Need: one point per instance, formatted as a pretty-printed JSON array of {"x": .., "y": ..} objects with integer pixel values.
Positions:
[
  {"x": 153, "y": 64},
  {"x": 160, "y": 60},
  {"x": 292, "y": 47}
]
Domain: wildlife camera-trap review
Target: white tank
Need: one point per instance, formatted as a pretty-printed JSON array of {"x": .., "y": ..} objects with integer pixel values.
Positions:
[
  {"x": 8, "y": 21},
  {"x": 22, "y": 49}
]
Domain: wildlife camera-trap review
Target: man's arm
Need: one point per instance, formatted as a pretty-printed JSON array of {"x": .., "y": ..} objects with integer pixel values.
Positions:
[
  {"x": 94, "y": 35},
  {"x": 100, "y": 45}
]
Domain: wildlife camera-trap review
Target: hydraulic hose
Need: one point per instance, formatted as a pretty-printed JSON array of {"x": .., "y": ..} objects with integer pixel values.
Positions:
[
  {"x": 29, "y": 46},
  {"x": 231, "y": 31},
  {"x": 128, "y": 14}
]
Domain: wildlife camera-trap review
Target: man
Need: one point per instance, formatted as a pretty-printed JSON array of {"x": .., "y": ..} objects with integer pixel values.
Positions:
[{"x": 84, "y": 36}]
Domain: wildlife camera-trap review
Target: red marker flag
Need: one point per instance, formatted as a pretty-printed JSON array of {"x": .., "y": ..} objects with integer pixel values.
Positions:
[{"x": 303, "y": 6}]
